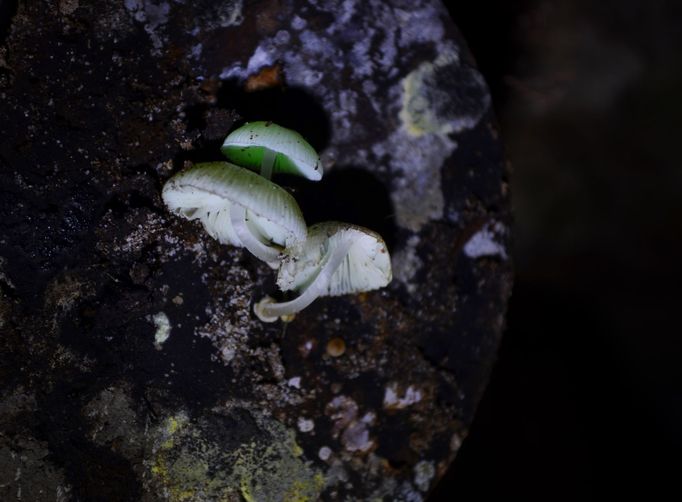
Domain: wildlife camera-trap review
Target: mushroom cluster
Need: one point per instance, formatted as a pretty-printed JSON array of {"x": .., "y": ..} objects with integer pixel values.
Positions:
[{"x": 244, "y": 208}]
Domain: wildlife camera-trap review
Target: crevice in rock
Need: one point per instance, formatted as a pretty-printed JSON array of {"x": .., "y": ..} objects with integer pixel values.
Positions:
[
  {"x": 291, "y": 107},
  {"x": 350, "y": 194}
]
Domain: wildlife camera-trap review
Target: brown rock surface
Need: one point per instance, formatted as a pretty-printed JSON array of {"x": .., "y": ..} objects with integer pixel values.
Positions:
[{"x": 132, "y": 365}]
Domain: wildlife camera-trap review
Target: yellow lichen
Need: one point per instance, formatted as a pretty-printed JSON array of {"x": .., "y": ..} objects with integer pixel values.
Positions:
[
  {"x": 419, "y": 114},
  {"x": 173, "y": 423},
  {"x": 245, "y": 489},
  {"x": 170, "y": 427},
  {"x": 301, "y": 491},
  {"x": 190, "y": 465}
]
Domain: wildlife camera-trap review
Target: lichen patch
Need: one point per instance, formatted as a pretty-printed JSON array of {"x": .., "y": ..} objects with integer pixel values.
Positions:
[
  {"x": 163, "y": 329},
  {"x": 419, "y": 101},
  {"x": 424, "y": 472},
  {"x": 485, "y": 242},
  {"x": 394, "y": 399},
  {"x": 430, "y": 106},
  {"x": 259, "y": 460},
  {"x": 406, "y": 263}
]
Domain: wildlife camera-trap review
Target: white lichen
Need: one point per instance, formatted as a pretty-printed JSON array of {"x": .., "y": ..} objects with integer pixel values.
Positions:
[
  {"x": 153, "y": 16},
  {"x": 416, "y": 192},
  {"x": 352, "y": 429},
  {"x": 298, "y": 23},
  {"x": 406, "y": 263},
  {"x": 356, "y": 437},
  {"x": 484, "y": 243},
  {"x": 394, "y": 400},
  {"x": 3, "y": 276},
  {"x": 163, "y": 329},
  {"x": 424, "y": 472},
  {"x": 305, "y": 424}
]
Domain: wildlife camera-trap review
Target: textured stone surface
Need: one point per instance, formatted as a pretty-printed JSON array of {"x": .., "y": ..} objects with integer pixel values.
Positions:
[{"x": 132, "y": 366}]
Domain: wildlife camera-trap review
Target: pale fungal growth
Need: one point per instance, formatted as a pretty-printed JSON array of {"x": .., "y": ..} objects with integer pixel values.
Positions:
[
  {"x": 240, "y": 207},
  {"x": 270, "y": 148},
  {"x": 237, "y": 207},
  {"x": 336, "y": 259}
]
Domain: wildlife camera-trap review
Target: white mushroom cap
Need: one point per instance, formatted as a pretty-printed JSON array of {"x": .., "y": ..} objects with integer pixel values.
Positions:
[
  {"x": 367, "y": 265},
  {"x": 336, "y": 259},
  {"x": 246, "y": 145},
  {"x": 208, "y": 191}
]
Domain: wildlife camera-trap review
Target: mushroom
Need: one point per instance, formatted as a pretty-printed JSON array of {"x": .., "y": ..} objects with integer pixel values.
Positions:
[
  {"x": 238, "y": 207},
  {"x": 335, "y": 259},
  {"x": 268, "y": 147}
]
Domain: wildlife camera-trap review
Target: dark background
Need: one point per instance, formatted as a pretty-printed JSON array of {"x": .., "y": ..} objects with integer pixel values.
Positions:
[{"x": 585, "y": 401}]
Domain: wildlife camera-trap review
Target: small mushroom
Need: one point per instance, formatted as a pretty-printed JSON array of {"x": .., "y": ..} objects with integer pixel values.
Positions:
[
  {"x": 336, "y": 259},
  {"x": 268, "y": 147},
  {"x": 237, "y": 207}
]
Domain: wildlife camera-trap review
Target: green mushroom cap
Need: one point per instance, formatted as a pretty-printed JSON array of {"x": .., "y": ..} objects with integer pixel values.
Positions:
[{"x": 249, "y": 144}]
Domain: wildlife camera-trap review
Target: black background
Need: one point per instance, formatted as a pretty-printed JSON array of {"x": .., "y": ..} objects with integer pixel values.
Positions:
[{"x": 585, "y": 400}]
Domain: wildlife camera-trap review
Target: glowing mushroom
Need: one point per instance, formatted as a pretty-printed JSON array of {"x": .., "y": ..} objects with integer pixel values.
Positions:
[
  {"x": 237, "y": 207},
  {"x": 268, "y": 148},
  {"x": 336, "y": 259}
]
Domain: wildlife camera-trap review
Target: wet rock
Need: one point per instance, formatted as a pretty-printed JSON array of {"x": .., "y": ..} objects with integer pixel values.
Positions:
[{"x": 133, "y": 367}]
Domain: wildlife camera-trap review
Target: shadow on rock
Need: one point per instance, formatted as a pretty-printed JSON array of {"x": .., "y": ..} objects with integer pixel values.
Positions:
[
  {"x": 348, "y": 194},
  {"x": 290, "y": 107}
]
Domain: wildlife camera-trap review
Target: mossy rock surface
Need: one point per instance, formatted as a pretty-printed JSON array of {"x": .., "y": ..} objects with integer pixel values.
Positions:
[{"x": 132, "y": 365}]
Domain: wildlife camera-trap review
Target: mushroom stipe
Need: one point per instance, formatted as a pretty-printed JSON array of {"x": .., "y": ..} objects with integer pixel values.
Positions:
[{"x": 267, "y": 310}]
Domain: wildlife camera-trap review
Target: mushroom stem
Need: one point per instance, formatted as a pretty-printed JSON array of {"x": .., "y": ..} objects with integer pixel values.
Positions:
[
  {"x": 266, "y": 310},
  {"x": 267, "y": 163},
  {"x": 267, "y": 253}
]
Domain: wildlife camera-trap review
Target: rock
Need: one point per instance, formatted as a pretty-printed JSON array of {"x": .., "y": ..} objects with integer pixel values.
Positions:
[{"x": 100, "y": 107}]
